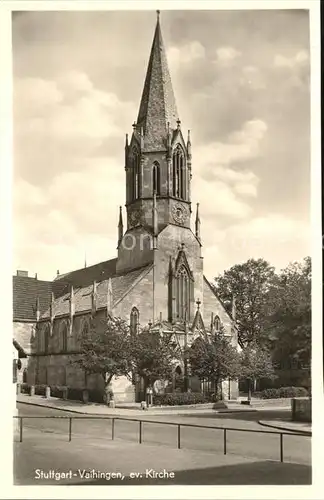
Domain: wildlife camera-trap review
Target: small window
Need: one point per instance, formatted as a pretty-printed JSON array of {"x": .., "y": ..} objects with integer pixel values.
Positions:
[
  {"x": 178, "y": 179},
  {"x": 64, "y": 337},
  {"x": 156, "y": 178},
  {"x": 217, "y": 324},
  {"x": 46, "y": 339}
]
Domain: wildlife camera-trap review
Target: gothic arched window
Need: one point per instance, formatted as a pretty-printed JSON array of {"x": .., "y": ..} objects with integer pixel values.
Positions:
[
  {"x": 85, "y": 328},
  {"x": 156, "y": 178},
  {"x": 178, "y": 170},
  {"x": 134, "y": 321},
  {"x": 217, "y": 324},
  {"x": 182, "y": 293},
  {"x": 136, "y": 181},
  {"x": 63, "y": 338},
  {"x": 46, "y": 338}
]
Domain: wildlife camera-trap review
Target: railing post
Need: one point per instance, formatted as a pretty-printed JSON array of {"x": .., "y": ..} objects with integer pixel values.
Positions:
[
  {"x": 70, "y": 428},
  {"x": 113, "y": 429},
  {"x": 140, "y": 432},
  {"x": 179, "y": 437},
  {"x": 281, "y": 447},
  {"x": 225, "y": 450},
  {"x": 21, "y": 430}
]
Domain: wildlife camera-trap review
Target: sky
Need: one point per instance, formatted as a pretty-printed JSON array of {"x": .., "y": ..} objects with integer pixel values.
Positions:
[{"x": 241, "y": 82}]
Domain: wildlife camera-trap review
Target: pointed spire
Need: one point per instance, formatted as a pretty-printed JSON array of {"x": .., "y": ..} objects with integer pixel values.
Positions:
[
  {"x": 37, "y": 309},
  {"x": 72, "y": 305},
  {"x": 94, "y": 299},
  {"x": 126, "y": 141},
  {"x": 158, "y": 106},
  {"x": 189, "y": 144},
  {"x": 52, "y": 312},
  {"x": 109, "y": 298},
  {"x": 85, "y": 259},
  {"x": 197, "y": 223},
  {"x": 120, "y": 227}
]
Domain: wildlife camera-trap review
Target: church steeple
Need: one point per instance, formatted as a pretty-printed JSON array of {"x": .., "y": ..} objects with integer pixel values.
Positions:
[
  {"x": 157, "y": 158},
  {"x": 158, "y": 105}
]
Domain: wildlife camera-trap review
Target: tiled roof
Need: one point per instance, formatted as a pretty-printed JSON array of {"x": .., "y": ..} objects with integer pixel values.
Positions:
[
  {"x": 158, "y": 105},
  {"x": 87, "y": 275},
  {"x": 25, "y": 293},
  {"x": 120, "y": 285},
  {"x": 22, "y": 333}
]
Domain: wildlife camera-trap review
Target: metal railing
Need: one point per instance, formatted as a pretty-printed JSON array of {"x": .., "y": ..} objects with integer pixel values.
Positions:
[{"x": 225, "y": 430}]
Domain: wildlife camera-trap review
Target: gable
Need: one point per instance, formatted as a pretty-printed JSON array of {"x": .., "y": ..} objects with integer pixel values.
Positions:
[{"x": 212, "y": 305}]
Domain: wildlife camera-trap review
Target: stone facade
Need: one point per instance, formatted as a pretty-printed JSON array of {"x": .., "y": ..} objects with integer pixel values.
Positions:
[{"x": 159, "y": 267}]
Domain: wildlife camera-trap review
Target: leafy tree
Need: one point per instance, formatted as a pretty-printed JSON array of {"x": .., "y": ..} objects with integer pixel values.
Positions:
[
  {"x": 152, "y": 356},
  {"x": 249, "y": 283},
  {"x": 288, "y": 319},
  {"x": 255, "y": 363},
  {"x": 214, "y": 359},
  {"x": 105, "y": 351}
]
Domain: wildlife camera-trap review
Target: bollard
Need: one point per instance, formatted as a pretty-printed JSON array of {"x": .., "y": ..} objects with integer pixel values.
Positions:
[
  {"x": 65, "y": 393},
  {"x": 18, "y": 388},
  {"x": 21, "y": 430},
  {"x": 47, "y": 392},
  {"x": 281, "y": 447},
  {"x": 225, "y": 450},
  {"x": 85, "y": 396},
  {"x": 32, "y": 390},
  {"x": 70, "y": 428}
]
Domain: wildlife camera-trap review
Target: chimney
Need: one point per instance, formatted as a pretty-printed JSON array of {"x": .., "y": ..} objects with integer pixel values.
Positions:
[
  {"x": 23, "y": 274},
  {"x": 57, "y": 272}
]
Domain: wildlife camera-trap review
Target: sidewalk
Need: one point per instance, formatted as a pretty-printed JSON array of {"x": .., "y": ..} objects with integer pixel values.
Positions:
[
  {"x": 100, "y": 409},
  {"x": 288, "y": 425}
]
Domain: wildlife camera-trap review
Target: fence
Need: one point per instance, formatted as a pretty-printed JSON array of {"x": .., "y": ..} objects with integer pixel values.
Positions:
[
  {"x": 140, "y": 429},
  {"x": 225, "y": 430}
]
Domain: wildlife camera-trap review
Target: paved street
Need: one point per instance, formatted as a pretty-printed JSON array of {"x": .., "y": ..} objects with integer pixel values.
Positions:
[{"x": 45, "y": 441}]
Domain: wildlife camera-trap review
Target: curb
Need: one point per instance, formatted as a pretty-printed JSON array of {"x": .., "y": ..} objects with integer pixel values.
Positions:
[
  {"x": 286, "y": 429},
  {"x": 57, "y": 408},
  {"x": 138, "y": 412}
]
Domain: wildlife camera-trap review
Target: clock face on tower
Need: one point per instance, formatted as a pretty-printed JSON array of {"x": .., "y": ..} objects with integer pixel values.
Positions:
[{"x": 179, "y": 213}]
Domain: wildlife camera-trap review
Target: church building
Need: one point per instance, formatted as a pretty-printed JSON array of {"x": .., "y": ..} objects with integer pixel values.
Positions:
[{"x": 157, "y": 277}]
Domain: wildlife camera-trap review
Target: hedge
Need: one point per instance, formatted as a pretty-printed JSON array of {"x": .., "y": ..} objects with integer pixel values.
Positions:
[
  {"x": 284, "y": 392},
  {"x": 40, "y": 390},
  {"x": 25, "y": 388},
  {"x": 183, "y": 398}
]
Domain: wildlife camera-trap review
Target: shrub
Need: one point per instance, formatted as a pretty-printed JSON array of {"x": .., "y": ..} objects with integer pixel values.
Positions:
[
  {"x": 57, "y": 391},
  {"x": 75, "y": 394},
  {"x": 25, "y": 388},
  {"x": 96, "y": 396},
  {"x": 284, "y": 392},
  {"x": 181, "y": 398},
  {"x": 40, "y": 389}
]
